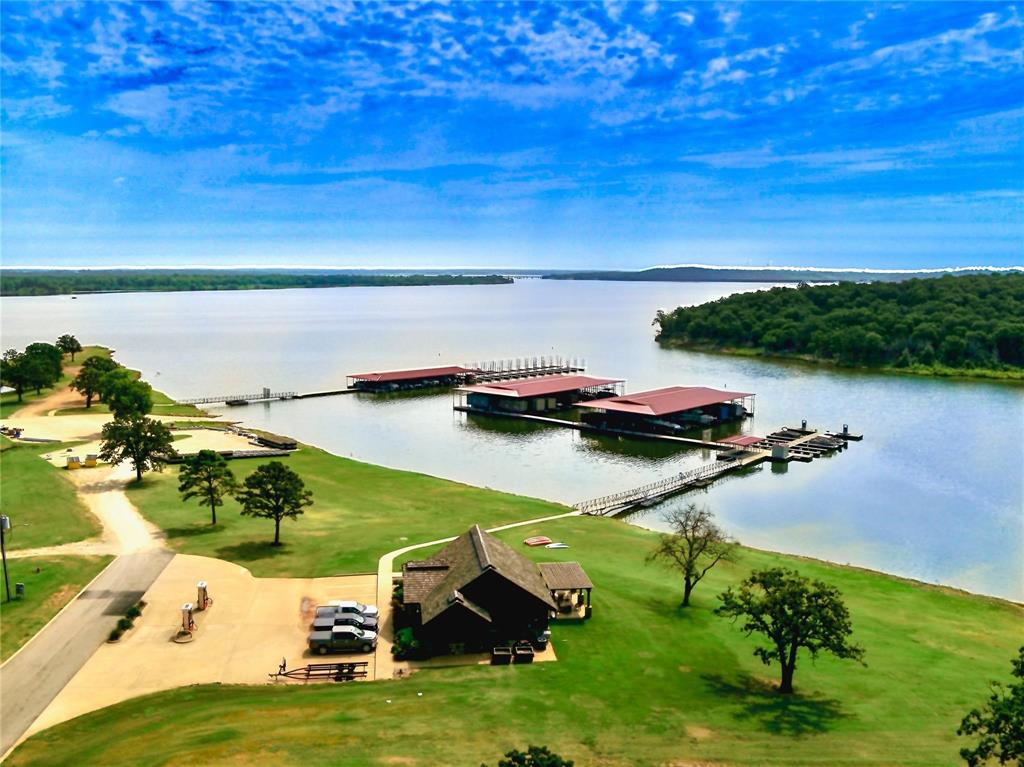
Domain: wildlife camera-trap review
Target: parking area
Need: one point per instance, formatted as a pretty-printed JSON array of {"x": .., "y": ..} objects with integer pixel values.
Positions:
[{"x": 251, "y": 625}]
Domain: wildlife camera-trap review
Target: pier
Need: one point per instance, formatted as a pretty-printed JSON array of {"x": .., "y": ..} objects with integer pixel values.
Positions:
[
  {"x": 785, "y": 445},
  {"x": 240, "y": 399}
]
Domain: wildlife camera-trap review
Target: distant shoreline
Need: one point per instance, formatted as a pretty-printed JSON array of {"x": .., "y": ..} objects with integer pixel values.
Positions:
[{"x": 86, "y": 282}]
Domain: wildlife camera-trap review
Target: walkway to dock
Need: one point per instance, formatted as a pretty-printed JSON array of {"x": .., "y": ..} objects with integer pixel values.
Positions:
[
  {"x": 266, "y": 394},
  {"x": 801, "y": 444}
]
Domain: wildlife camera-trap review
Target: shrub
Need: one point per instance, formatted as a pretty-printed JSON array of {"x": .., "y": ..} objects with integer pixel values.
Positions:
[
  {"x": 133, "y": 612},
  {"x": 124, "y": 624},
  {"x": 115, "y": 634},
  {"x": 406, "y": 644}
]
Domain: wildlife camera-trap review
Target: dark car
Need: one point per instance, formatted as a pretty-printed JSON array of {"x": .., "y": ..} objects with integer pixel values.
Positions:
[
  {"x": 342, "y": 639},
  {"x": 329, "y": 620}
]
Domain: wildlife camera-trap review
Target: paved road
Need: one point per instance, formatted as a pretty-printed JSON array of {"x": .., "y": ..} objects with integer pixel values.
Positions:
[{"x": 32, "y": 678}]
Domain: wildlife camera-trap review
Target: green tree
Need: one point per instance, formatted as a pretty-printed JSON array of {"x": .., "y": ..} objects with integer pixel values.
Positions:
[
  {"x": 1000, "y": 724},
  {"x": 274, "y": 492},
  {"x": 44, "y": 365},
  {"x": 143, "y": 441},
  {"x": 206, "y": 476},
  {"x": 794, "y": 613},
  {"x": 13, "y": 372},
  {"x": 88, "y": 380},
  {"x": 694, "y": 545},
  {"x": 125, "y": 395},
  {"x": 1009, "y": 340},
  {"x": 68, "y": 344},
  {"x": 534, "y": 756}
]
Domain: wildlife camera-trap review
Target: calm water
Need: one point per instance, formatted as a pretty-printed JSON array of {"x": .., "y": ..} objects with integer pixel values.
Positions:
[{"x": 933, "y": 492}]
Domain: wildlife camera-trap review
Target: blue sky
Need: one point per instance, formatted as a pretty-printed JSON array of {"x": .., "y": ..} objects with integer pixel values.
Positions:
[{"x": 519, "y": 134}]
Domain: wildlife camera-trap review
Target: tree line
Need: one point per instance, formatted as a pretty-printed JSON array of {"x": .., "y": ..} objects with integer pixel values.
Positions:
[
  {"x": 964, "y": 323},
  {"x": 38, "y": 366},
  {"x": 131, "y": 281}
]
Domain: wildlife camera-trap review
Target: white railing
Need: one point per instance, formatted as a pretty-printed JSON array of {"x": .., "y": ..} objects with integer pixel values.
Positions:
[{"x": 654, "y": 489}]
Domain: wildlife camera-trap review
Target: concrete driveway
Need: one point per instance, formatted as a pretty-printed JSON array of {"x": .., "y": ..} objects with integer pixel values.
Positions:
[{"x": 252, "y": 624}]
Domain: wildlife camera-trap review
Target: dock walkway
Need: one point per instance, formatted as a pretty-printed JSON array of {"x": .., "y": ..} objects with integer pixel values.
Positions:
[{"x": 797, "y": 442}]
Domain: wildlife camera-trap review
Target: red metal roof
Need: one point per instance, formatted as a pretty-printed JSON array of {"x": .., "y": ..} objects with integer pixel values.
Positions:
[
  {"x": 410, "y": 375},
  {"x": 539, "y": 387},
  {"x": 673, "y": 399},
  {"x": 742, "y": 440}
]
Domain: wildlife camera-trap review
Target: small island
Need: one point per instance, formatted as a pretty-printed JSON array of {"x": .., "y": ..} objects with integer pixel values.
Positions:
[
  {"x": 60, "y": 282},
  {"x": 950, "y": 326}
]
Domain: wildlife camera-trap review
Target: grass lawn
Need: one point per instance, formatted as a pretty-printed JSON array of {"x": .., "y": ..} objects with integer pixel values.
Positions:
[
  {"x": 9, "y": 400},
  {"x": 360, "y": 511},
  {"x": 642, "y": 683},
  {"x": 40, "y": 499},
  {"x": 50, "y": 583}
]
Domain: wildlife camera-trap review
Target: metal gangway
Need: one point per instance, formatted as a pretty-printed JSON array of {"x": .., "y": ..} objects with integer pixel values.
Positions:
[
  {"x": 266, "y": 394},
  {"x": 616, "y": 503},
  {"x": 526, "y": 367}
]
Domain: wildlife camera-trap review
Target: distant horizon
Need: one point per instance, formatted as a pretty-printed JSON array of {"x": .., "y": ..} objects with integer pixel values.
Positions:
[{"x": 546, "y": 269}]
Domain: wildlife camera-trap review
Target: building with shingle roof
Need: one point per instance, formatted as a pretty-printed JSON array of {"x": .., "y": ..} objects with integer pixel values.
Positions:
[{"x": 477, "y": 590}]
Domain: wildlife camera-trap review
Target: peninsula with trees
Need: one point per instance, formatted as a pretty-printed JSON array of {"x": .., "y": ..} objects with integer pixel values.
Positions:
[{"x": 951, "y": 326}]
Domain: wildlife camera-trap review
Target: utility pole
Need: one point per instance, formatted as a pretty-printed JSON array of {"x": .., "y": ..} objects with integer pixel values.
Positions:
[{"x": 5, "y": 525}]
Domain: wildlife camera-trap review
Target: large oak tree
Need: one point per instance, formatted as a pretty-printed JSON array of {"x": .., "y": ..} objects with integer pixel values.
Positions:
[
  {"x": 793, "y": 613},
  {"x": 143, "y": 441}
]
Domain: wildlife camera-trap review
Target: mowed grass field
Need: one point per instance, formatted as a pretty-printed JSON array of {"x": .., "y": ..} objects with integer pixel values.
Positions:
[
  {"x": 50, "y": 583},
  {"x": 641, "y": 683},
  {"x": 40, "y": 499},
  {"x": 360, "y": 512}
]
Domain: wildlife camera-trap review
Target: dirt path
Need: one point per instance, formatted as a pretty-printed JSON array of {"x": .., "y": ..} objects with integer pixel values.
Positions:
[{"x": 58, "y": 399}]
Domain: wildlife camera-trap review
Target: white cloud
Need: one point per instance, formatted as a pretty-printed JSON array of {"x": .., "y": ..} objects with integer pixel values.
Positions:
[{"x": 33, "y": 108}]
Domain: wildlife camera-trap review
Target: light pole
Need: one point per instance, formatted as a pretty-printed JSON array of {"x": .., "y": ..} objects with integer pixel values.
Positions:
[{"x": 5, "y": 525}]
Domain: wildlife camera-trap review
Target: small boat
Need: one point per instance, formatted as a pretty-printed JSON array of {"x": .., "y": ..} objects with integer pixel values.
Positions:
[
  {"x": 537, "y": 540},
  {"x": 557, "y": 546}
]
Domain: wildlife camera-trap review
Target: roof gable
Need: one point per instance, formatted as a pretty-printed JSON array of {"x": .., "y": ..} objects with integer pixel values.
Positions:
[{"x": 467, "y": 558}]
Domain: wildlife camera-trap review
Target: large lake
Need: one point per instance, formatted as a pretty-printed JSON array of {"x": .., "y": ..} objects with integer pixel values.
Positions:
[{"x": 933, "y": 492}]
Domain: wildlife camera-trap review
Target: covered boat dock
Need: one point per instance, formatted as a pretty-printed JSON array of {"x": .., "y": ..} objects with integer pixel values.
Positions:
[
  {"x": 536, "y": 395},
  {"x": 419, "y": 378},
  {"x": 670, "y": 410}
]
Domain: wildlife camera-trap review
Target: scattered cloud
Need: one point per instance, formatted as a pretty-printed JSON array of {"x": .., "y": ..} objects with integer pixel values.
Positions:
[{"x": 431, "y": 111}]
